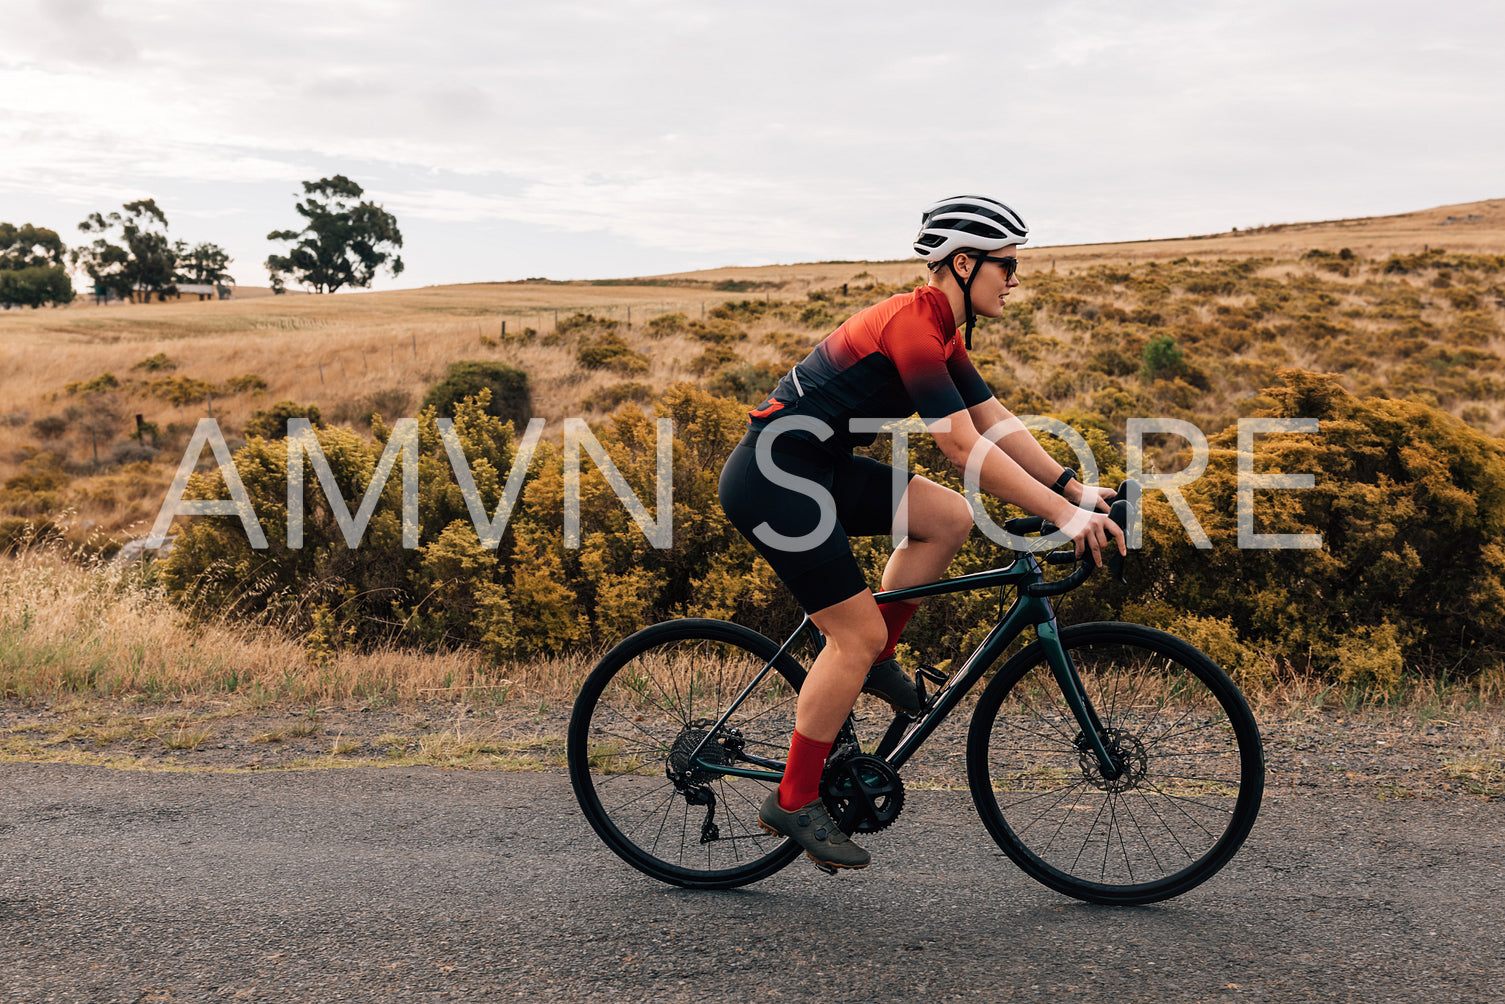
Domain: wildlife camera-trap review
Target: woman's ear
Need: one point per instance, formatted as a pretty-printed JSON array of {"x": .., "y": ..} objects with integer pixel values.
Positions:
[{"x": 962, "y": 270}]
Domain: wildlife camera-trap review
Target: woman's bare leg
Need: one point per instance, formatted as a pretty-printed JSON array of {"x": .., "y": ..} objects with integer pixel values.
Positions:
[
  {"x": 937, "y": 522},
  {"x": 854, "y": 634}
]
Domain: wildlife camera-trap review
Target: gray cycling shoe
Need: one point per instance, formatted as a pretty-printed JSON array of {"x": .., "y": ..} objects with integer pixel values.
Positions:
[
  {"x": 888, "y": 681},
  {"x": 811, "y": 827}
]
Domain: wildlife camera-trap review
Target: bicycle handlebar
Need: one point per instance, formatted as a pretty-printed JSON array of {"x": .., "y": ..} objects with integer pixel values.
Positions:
[{"x": 1118, "y": 513}]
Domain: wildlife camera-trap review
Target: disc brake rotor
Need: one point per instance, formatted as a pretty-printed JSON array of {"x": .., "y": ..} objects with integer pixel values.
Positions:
[{"x": 1128, "y": 754}]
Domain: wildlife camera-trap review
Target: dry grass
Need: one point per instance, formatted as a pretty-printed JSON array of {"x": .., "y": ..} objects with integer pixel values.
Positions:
[
  {"x": 103, "y": 630},
  {"x": 75, "y": 633},
  {"x": 1472, "y": 227},
  {"x": 328, "y": 351}
]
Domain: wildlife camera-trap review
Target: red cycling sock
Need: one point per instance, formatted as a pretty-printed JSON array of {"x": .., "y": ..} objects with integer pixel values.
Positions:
[
  {"x": 895, "y": 615},
  {"x": 801, "y": 784}
]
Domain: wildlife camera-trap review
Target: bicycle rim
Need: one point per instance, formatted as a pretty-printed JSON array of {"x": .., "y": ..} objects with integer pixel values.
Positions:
[
  {"x": 1192, "y": 768},
  {"x": 641, "y": 713}
]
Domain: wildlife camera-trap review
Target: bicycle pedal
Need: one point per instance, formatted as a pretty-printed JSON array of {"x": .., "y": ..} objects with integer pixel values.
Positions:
[
  {"x": 823, "y": 867},
  {"x": 932, "y": 674}
]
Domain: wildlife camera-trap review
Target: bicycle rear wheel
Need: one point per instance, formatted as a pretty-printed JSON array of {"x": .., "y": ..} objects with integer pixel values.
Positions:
[
  {"x": 642, "y": 713},
  {"x": 1192, "y": 768}
]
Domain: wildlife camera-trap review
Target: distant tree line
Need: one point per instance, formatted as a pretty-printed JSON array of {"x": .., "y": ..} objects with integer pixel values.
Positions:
[{"x": 343, "y": 242}]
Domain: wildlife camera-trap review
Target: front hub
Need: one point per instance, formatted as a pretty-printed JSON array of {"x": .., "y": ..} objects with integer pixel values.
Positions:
[{"x": 1130, "y": 762}]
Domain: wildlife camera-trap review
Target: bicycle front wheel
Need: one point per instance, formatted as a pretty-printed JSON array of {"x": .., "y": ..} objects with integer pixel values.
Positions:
[
  {"x": 1188, "y": 766},
  {"x": 642, "y": 714}
]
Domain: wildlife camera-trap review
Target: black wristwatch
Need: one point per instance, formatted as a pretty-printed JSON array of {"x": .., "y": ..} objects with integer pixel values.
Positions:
[{"x": 1067, "y": 475}]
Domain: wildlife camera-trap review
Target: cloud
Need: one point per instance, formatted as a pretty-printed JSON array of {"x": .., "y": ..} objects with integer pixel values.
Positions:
[{"x": 785, "y": 130}]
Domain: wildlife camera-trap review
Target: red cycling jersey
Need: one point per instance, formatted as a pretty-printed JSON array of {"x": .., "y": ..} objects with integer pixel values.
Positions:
[{"x": 888, "y": 361}]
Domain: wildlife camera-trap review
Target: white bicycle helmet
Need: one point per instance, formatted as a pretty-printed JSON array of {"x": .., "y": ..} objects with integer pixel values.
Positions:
[{"x": 966, "y": 223}]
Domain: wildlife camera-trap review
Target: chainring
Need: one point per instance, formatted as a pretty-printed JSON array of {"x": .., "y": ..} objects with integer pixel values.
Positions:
[{"x": 862, "y": 793}]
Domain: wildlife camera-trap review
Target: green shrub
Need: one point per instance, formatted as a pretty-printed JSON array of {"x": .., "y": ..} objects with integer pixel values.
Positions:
[
  {"x": 746, "y": 383},
  {"x": 511, "y": 399},
  {"x": 376, "y": 592},
  {"x": 608, "y": 350},
  {"x": 581, "y": 321},
  {"x": 616, "y": 581},
  {"x": 105, "y": 381},
  {"x": 714, "y": 358},
  {"x": 1410, "y": 504},
  {"x": 717, "y": 330},
  {"x": 612, "y": 396},
  {"x": 1162, "y": 357},
  {"x": 38, "y": 489},
  {"x": 180, "y": 390},
  {"x": 531, "y": 595},
  {"x": 156, "y": 363},
  {"x": 50, "y": 427},
  {"x": 666, "y": 324},
  {"x": 271, "y": 422},
  {"x": 246, "y": 384}
]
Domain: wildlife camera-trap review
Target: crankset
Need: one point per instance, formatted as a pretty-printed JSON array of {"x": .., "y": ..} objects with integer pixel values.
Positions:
[{"x": 862, "y": 793}]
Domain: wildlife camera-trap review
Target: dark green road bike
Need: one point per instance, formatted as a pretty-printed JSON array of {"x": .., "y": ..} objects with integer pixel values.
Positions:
[{"x": 1112, "y": 762}]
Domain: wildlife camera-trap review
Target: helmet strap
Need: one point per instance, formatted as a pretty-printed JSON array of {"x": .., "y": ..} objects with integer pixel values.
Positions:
[{"x": 966, "y": 285}]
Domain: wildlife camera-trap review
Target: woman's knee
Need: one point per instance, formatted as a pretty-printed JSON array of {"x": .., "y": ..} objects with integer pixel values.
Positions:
[
  {"x": 937, "y": 513},
  {"x": 958, "y": 519},
  {"x": 858, "y": 630}
]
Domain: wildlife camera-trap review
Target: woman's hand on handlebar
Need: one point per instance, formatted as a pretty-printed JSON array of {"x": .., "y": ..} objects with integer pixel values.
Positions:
[
  {"x": 1088, "y": 496},
  {"x": 1091, "y": 531}
]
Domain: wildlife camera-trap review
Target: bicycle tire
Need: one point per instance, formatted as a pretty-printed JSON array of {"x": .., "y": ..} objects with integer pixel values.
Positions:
[
  {"x": 651, "y": 699},
  {"x": 1178, "y": 813}
]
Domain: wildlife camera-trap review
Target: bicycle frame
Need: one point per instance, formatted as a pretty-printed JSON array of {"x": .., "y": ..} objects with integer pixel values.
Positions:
[{"x": 1026, "y": 611}]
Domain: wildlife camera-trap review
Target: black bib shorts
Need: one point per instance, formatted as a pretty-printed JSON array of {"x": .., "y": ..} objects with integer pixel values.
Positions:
[{"x": 819, "y": 571}]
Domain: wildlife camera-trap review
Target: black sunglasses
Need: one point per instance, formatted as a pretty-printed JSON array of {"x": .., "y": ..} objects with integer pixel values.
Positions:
[{"x": 1010, "y": 264}]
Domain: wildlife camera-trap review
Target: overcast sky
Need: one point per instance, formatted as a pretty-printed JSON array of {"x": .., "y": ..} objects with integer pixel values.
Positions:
[{"x": 632, "y": 137}]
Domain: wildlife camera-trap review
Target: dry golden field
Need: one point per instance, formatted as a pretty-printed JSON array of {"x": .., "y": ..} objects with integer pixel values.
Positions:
[{"x": 340, "y": 351}]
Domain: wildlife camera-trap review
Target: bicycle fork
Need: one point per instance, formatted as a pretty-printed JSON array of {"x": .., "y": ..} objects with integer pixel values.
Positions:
[{"x": 1070, "y": 683}]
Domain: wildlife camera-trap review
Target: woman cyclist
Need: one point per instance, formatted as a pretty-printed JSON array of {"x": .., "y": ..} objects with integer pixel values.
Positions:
[{"x": 794, "y": 488}]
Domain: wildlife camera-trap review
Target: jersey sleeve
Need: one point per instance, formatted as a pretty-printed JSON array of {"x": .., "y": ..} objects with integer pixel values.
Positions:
[
  {"x": 973, "y": 389},
  {"x": 938, "y": 383},
  {"x": 919, "y": 355}
]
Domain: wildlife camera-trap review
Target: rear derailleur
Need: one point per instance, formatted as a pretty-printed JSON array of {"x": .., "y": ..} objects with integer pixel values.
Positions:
[{"x": 693, "y": 782}]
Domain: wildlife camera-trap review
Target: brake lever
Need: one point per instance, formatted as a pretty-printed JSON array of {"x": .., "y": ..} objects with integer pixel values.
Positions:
[{"x": 1119, "y": 513}]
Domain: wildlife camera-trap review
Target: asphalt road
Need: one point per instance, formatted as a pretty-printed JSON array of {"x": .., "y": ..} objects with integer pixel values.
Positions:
[{"x": 420, "y": 884}]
